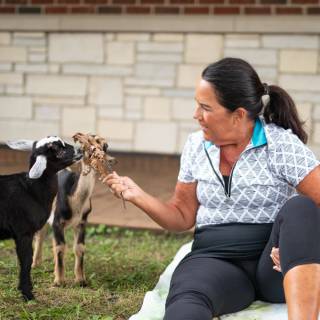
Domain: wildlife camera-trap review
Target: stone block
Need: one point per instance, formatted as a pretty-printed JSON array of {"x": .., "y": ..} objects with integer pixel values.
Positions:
[
  {"x": 168, "y": 37},
  {"x": 305, "y": 114},
  {"x": 133, "y": 36},
  {"x": 16, "y": 107},
  {"x": 59, "y": 101},
  {"x": 290, "y": 41},
  {"x": 153, "y": 136},
  {"x": 120, "y": 53},
  {"x": 316, "y": 133},
  {"x": 116, "y": 145},
  {"x": 28, "y": 39},
  {"x": 242, "y": 41},
  {"x": 157, "y": 108},
  {"x": 47, "y": 113},
  {"x": 183, "y": 109},
  {"x": 5, "y": 38},
  {"x": 179, "y": 93},
  {"x": 299, "y": 61},
  {"x": 105, "y": 91},
  {"x": 202, "y": 48},
  {"x": 267, "y": 74},
  {"x": 31, "y": 68},
  {"x": 109, "y": 36},
  {"x": 97, "y": 70},
  {"x": 37, "y": 57},
  {"x": 133, "y": 103},
  {"x": 116, "y": 129},
  {"x": 160, "y": 57},
  {"x": 40, "y": 49},
  {"x": 133, "y": 115},
  {"x": 29, "y": 35},
  {"x": 13, "y": 54},
  {"x": 76, "y": 47},
  {"x": 257, "y": 57},
  {"x": 110, "y": 112},
  {"x": 5, "y": 66},
  {"x": 155, "y": 70},
  {"x": 163, "y": 83},
  {"x": 189, "y": 75},
  {"x": 142, "y": 91},
  {"x": 300, "y": 82},
  {"x": 11, "y": 78},
  {"x": 10, "y": 130},
  {"x": 14, "y": 89},
  {"x": 316, "y": 112},
  {"x": 54, "y": 68},
  {"x": 315, "y": 149},
  {"x": 303, "y": 96},
  {"x": 157, "y": 47},
  {"x": 182, "y": 138},
  {"x": 56, "y": 85},
  {"x": 75, "y": 119}
]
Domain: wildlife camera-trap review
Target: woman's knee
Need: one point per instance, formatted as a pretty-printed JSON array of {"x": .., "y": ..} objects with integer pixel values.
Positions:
[
  {"x": 299, "y": 207},
  {"x": 188, "y": 306}
]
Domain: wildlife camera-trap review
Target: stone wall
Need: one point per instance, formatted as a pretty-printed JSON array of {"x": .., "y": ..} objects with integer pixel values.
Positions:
[{"x": 137, "y": 89}]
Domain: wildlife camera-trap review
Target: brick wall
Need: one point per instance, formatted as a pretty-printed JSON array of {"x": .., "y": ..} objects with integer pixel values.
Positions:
[
  {"x": 137, "y": 89},
  {"x": 159, "y": 7}
]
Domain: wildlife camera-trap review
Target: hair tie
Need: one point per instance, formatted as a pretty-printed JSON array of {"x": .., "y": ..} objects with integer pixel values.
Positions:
[{"x": 266, "y": 89}]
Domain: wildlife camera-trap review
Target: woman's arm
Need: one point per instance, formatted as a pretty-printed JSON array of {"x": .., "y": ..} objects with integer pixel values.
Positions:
[
  {"x": 178, "y": 214},
  {"x": 310, "y": 185}
]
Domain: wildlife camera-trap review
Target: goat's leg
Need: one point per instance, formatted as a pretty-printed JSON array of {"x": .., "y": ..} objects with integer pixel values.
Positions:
[
  {"x": 24, "y": 252},
  {"x": 38, "y": 242},
  {"x": 59, "y": 245},
  {"x": 79, "y": 248}
]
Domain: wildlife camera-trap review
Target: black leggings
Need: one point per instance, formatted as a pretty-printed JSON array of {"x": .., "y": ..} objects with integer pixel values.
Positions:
[{"x": 204, "y": 287}]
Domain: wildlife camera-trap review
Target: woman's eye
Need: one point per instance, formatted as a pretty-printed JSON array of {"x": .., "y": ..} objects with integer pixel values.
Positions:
[{"x": 204, "y": 107}]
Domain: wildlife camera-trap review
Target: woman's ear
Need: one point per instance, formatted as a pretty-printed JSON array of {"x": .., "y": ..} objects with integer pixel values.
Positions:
[{"x": 239, "y": 114}]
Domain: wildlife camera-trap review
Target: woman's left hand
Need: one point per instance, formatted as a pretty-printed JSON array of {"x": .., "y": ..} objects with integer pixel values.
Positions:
[{"x": 275, "y": 256}]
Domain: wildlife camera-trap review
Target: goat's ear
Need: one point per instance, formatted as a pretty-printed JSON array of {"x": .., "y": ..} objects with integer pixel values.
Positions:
[
  {"x": 23, "y": 145},
  {"x": 39, "y": 166}
]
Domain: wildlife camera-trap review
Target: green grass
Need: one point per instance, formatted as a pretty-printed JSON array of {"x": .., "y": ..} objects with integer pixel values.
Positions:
[{"x": 120, "y": 265}]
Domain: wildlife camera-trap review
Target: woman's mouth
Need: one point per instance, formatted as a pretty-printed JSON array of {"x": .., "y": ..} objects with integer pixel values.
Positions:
[{"x": 204, "y": 128}]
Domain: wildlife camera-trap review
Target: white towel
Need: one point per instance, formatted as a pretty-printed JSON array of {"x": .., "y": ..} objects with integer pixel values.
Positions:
[{"x": 154, "y": 301}]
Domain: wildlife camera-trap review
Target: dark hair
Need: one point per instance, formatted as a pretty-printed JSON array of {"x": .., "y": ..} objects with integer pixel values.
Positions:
[{"x": 237, "y": 84}]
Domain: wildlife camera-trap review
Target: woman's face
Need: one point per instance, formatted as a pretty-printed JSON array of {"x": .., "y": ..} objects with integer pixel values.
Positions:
[{"x": 217, "y": 122}]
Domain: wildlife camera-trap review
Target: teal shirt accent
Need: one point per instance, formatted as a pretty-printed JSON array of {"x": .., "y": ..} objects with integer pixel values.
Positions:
[{"x": 259, "y": 136}]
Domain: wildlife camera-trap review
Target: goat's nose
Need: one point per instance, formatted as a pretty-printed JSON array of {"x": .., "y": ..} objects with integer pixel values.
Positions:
[
  {"x": 78, "y": 152},
  {"x": 113, "y": 161}
]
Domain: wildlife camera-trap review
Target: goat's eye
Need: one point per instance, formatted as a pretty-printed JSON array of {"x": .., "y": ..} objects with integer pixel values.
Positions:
[{"x": 60, "y": 153}]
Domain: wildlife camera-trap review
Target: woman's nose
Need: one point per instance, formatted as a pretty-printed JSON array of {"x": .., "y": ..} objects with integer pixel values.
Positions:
[{"x": 197, "y": 113}]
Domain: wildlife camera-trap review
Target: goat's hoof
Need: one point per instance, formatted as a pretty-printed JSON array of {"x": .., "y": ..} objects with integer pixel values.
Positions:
[
  {"x": 28, "y": 296},
  {"x": 81, "y": 283},
  {"x": 59, "y": 283},
  {"x": 36, "y": 264}
]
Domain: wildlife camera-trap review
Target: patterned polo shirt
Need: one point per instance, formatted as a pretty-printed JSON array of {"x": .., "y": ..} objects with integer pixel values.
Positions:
[{"x": 261, "y": 181}]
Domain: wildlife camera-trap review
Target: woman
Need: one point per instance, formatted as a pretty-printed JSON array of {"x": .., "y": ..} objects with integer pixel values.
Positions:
[{"x": 238, "y": 185}]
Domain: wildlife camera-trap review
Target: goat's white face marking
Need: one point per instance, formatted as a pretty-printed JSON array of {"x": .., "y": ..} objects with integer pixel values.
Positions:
[
  {"x": 38, "y": 167},
  {"x": 44, "y": 141}
]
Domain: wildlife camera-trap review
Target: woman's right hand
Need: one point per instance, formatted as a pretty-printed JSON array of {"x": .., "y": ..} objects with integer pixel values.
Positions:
[{"x": 122, "y": 187}]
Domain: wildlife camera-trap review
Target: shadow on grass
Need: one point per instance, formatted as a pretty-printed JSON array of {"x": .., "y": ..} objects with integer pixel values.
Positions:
[{"x": 120, "y": 265}]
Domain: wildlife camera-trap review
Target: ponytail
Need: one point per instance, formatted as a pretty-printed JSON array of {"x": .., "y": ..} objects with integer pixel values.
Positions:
[{"x": 282, "y": 111}]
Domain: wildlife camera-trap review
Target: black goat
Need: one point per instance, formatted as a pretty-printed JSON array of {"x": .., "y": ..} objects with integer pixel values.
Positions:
[
  {"x": 26, "y": 198},
  {"x": 71, "y": 208}
]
